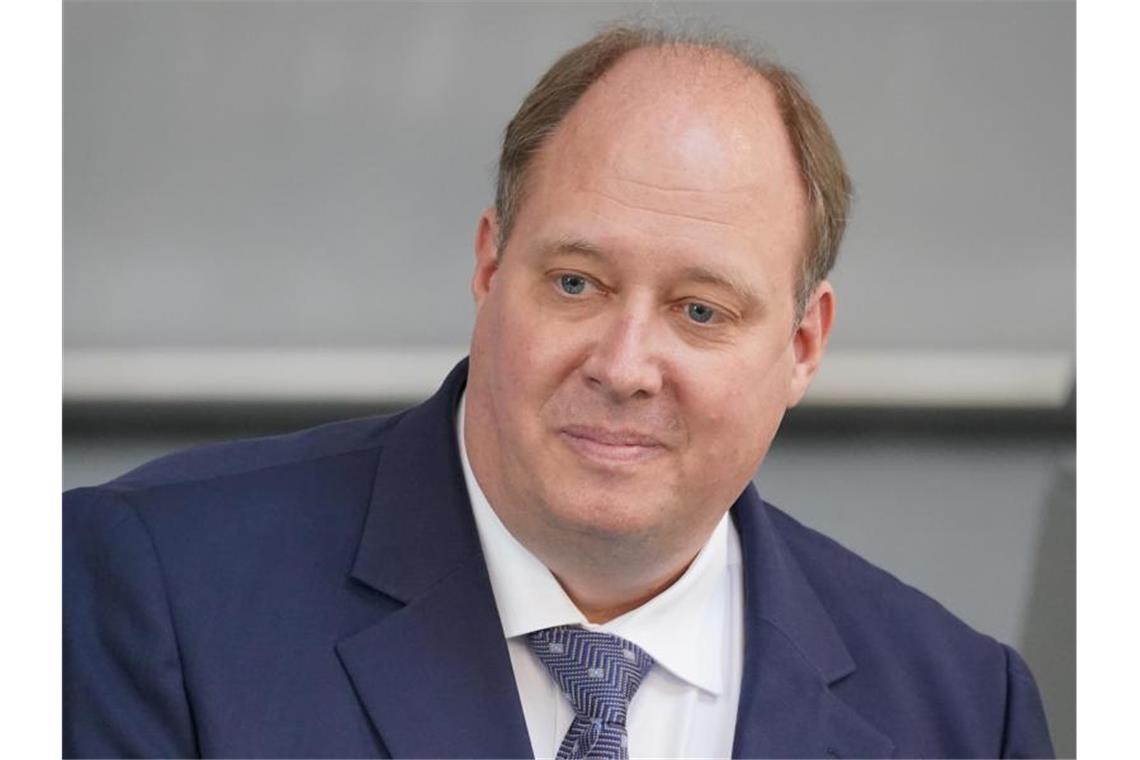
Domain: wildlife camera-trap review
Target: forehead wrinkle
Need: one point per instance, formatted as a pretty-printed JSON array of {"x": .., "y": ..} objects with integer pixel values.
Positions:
[
  {"x": 721, "y": 206},
  {"x": 740, "y": 187},
  {"x": 672, "y": 212}
]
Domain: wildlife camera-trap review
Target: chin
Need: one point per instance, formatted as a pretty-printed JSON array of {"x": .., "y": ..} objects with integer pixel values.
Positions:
[{"x": 614, "y": 511}]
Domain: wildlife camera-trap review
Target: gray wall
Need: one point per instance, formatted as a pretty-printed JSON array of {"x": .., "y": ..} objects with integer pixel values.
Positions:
[
  {"x": 295, "y": 175},
  {"x": 309, "y": 174}
]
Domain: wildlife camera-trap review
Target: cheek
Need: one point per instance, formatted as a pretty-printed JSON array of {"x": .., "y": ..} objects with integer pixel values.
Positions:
[
  {"x": 738, "y": 411},
  {"x": 534, "y": 357}
]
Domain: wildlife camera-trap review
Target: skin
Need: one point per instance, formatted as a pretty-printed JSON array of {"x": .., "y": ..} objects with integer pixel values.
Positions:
[{"x": 635, "y": 345}]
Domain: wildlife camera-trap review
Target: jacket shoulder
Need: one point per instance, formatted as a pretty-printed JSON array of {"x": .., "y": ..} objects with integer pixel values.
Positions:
[
  {"x": 212, "y": 577},
  {"x": 862, "y": 596},
  {"x": 217, "y": 487},
  {"x": 243, "y": 456},
  {"x": 924, "y": 676}
]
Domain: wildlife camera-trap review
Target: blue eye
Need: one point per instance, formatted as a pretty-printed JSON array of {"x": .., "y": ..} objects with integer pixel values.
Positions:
[
  {"x": 572, "y": 283},
  {"x": 698, "y": 312}
]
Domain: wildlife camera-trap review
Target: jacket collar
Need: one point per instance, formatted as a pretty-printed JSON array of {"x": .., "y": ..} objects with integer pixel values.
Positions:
[
  {"x": 419, "y": 525},
  {"x": 435, "y": 676}
]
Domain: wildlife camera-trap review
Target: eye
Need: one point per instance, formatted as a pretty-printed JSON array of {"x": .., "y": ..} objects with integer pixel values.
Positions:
[
  {"x": 572, "y": 284},
  {"x": 699, "y": 312}
]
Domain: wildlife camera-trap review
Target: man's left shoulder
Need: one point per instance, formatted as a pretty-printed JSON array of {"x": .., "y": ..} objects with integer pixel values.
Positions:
[
  {"x": 919, "y": 669},
  {"x": 868, "y": 603}
]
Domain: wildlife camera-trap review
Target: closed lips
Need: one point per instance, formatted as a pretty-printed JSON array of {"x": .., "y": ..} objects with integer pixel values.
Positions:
[{"x": 612, "y": 437}]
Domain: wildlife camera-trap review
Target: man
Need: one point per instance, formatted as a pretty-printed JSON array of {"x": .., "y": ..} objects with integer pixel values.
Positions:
[{"x": 560, "y": 553}]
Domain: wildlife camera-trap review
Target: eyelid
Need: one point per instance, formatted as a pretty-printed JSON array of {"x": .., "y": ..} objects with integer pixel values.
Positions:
[
  {"x": 720, "y": 315},
  {"x": 557, "y": 275}
]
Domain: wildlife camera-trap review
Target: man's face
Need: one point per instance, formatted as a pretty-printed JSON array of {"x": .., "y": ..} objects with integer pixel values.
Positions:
[{"x": 635, "y": 346}]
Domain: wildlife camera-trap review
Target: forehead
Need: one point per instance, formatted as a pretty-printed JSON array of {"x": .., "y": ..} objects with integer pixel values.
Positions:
[
  {"x": 673, "y": 149},
  {"x": 720, "y": 120}
]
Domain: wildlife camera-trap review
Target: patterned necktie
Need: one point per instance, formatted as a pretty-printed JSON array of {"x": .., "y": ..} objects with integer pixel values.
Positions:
[{"x": 598, "y": 673}]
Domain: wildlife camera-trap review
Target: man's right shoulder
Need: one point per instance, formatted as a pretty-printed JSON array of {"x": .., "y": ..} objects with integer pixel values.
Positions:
[
  {"x": 248, "y": 455},
  {"x": 211, "y": 573},
  {"x": 234, "y": 466}
]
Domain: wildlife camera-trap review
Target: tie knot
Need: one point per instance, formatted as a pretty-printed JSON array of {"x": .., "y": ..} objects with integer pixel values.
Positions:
[{"x": 598, "y": 672}]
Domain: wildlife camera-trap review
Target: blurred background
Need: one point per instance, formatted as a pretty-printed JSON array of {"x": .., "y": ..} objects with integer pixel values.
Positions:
[{"x": 268, "y": 220}]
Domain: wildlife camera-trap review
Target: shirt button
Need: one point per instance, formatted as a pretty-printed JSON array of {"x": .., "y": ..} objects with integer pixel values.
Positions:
[{"x": 596, "y": 673}]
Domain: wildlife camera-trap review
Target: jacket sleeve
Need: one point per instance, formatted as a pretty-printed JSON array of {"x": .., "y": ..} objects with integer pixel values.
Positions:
[
  {"x": 1026, "y": 730},
  {"x": 123, "y": 690}
]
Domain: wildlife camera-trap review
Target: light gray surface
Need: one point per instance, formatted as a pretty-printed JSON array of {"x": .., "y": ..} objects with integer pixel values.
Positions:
[
  {"x": 1050, "y": 636},
  {"x": 309, "y": 174}
]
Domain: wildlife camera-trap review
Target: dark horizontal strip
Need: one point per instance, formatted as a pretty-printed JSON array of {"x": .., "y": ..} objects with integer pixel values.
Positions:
[{"x": 261, "y": 418}]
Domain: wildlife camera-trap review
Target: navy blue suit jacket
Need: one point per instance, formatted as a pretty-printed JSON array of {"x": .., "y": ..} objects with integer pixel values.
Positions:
[{"x": 324, "y": 594}]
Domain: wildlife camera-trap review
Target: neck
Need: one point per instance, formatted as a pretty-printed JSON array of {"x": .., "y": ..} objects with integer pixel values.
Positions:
[
  {"x": 606, "y": 576},
  {"x": 604, "y": 607}
]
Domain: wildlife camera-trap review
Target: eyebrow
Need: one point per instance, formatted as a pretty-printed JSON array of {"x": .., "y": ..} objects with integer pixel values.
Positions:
[
  {"x": 746, "y": 293},
  {"x": 564, "y": 246}
]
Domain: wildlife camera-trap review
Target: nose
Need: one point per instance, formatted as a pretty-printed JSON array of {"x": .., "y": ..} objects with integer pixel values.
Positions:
[{"x": 624, "y": 362}]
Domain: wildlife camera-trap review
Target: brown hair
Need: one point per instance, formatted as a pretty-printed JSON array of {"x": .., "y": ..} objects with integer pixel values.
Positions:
[{"x": 825, "y": 178}]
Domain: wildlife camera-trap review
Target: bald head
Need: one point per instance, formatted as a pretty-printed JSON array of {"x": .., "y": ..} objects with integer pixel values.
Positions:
[
  {"x": 636, "y": 74},
  {"x": 681, "y": 123},
  {"x": 683, "y": 119}
]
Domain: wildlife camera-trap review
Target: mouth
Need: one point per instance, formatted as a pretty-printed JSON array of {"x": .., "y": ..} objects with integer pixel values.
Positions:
[{"x": 611, "y": 446}]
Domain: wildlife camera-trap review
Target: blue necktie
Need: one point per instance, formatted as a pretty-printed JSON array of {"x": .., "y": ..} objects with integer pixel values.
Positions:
[{"x": 599, "y": 673}]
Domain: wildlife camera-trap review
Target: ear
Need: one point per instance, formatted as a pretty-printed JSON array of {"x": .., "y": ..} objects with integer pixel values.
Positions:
[
  {"x": 486, "y": 255},
  {"x": 810, "y": 340}
]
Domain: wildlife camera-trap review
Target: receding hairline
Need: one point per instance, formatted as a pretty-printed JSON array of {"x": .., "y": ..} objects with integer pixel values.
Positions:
[
  {"x": 698, "y": 59},
  {"x": 712, "y": 75},
  {"x": 559, "y": 90},
  {"x": 729, "y": 62}
]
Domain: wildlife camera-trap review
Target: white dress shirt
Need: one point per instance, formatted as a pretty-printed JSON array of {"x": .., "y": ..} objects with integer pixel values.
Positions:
[{"x": 686, "y": 705}]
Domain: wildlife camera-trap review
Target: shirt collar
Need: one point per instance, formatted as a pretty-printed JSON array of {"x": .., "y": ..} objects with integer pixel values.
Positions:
[{"x": 681, "y": 628}]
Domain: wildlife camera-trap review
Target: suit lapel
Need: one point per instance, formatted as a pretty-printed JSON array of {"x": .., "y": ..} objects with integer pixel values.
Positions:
[
  {"x": 434, "y": 676},
  {"x": 793, "y": 654}
]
